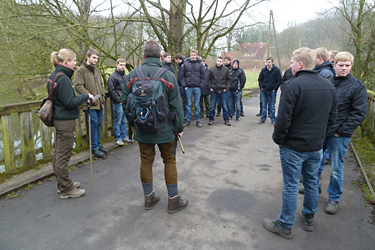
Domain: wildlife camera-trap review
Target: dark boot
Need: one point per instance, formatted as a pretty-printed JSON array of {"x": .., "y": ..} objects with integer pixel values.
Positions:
[
  {"x": 150, "y": 200},
  {"x": 307, "y": 222},
  {"x": 176, "y": 203}
]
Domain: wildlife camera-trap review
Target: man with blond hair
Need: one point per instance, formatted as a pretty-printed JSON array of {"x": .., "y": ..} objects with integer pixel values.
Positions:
[
  {"x": 332, "y": 55},
  {"x": 307, "y": 109},
  {"x": 351, "y": 112}
]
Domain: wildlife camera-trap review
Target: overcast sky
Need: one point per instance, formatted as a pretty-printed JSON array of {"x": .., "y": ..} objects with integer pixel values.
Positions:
[{"x": 286, "y": 12}]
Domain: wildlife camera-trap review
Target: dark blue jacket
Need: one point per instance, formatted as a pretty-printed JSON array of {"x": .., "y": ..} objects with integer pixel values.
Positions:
[
  {"x": 325, "y": 69},
  {"x": 115, "y": 85},
  {"x": 206, "y": 89},
  {"x": 179, "y": 71},
  {"x": 238, "y": 79},
  {"x": 269, "y": 79}
]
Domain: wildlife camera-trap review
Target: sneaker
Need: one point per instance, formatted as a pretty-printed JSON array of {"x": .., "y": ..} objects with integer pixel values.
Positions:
[
  {"x": 187, "y": 124},
  {"x": 307, "y": 222},
  {"x": 210, "y": 122},
  {"x": 98, "y": 153},
  {"x": 125, "y": 139},
  {"x": 218, "y": 114},
  {"x": 276, "y": 228},
  {"x": 74, "y": 193},
  {"x": 261, "y": 121},
  {"x": 199, "y": 125},
  {"x": 237, "y": 119},
  {"x": 76, "y": 184},
  {"x": 120, "y": 142},
  {"x": 103, "y": 149},
  {"x": 332, "y": 207},
  {"x": 130, "y": 140},
  {"x": 259, "y": 114},
  {"x": 242, "y": 114},
  {"x": 227, "y": 123}
]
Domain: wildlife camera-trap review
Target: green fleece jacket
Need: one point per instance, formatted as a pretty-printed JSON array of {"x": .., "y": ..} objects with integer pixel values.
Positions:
[
  {"x": 65, "y": 102},
  {"x": 170, "y": 88}
]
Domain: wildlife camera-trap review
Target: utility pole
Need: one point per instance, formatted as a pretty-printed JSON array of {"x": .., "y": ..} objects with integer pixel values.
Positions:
[{"x": 272, "y": 20}]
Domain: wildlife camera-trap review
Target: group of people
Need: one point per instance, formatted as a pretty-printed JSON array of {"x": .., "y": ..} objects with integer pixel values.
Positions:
[
  {"x": 320, "y": 107},
  {"x": 220, "y": 86}
]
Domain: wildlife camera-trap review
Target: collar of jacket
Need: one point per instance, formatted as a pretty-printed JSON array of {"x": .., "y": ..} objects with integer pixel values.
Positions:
[
  {"x": 67, "y": 71},
  {"x": 306, "y": 71},
  {"x": 219, "y": 67},
  {"x": 90, "y": 67},
  {"x": 152, "y": 60},
  {"x": 121, "y": 73}
]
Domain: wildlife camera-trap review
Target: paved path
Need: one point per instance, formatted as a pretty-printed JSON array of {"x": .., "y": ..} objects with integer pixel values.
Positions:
[{"x": 232, "y": 178}]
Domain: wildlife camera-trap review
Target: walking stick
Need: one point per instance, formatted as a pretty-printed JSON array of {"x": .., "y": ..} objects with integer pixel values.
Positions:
[
  {"x": 89, "y": 115},
  {"x": 179, "y": 141}
]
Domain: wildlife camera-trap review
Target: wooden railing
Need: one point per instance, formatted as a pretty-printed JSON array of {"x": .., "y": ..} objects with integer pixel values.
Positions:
[
  {"x": 26, "y": 139},
  {"x": 369, "y": 124}
]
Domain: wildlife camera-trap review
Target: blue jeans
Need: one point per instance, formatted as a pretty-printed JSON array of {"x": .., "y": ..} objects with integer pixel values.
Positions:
[
  {"x": 119, "y": 122},
  {"x": 96, "y": 117},
  {"x": 184, "y": 101},
  {"x": 270, "y": 99},
  {"x": 197, "y": 97},
  {"x": 222, "y": 98},
  {"x": 294, "y": 164},
  {"x": 337, "y": 148},
  {"x": 235, "y": 103}
]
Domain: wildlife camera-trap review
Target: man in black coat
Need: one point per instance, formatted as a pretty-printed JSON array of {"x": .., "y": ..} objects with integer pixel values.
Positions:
[
  {"x": 115, "y": 87},
  {"x": 307, "y": 110},
  {"x": 351, "y": 112},
  {"x": 238, "y": 80}
]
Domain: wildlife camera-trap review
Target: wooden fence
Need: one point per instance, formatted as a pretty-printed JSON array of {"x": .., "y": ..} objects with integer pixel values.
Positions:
[
  {"x": 26, "y": 139},
  {"x": 369, "y": 124}
]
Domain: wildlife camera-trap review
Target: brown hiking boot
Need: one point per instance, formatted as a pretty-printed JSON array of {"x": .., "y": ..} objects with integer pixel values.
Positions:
[
  {"x": 150, "y": 200},
  {"x": 74, "y": 193},
  {"x": 176, "y": 203}
]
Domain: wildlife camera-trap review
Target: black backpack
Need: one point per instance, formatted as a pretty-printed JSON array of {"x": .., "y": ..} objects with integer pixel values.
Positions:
[{"x": 147, "y": 108}]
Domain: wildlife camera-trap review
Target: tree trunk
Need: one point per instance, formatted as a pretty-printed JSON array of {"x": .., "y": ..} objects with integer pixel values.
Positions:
[{"x": 176, "y": 25}]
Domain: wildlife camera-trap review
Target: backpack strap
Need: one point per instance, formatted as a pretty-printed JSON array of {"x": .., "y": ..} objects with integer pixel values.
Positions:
[
  {"x": 140, "y": 74},
  {"x": 53, "y": 85},
  {"x": 159, "y": 73}
]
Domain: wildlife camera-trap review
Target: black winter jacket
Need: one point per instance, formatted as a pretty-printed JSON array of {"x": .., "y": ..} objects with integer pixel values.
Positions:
[
  {"x": 65, "y": 102},
  {"x": 307, "y": 110},
  {"x": 351, "y": 105},
  {"x": 206, "y": 89},
  {"x": 238, "y": 79},
  {"x": 116, "y": 83},
  {"x": 219, "y": 79},
  {"x": 169, "y": 66},
  {"x": 269, "y": 80},
  {"x": 192, "y": 74}
]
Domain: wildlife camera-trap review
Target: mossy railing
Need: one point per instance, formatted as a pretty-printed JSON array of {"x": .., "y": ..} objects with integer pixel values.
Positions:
[
  {"x": 27, "y": 140},
  {"x": 368, "y": 125}
]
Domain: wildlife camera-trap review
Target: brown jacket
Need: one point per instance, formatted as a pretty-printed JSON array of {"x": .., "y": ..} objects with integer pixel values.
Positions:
[{"x": 87, "y": 79}]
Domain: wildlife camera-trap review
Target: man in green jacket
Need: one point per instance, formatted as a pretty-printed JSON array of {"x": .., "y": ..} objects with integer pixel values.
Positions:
[
  {"x": 87, "y": 79},
  {"x": 164, "y": 139}
]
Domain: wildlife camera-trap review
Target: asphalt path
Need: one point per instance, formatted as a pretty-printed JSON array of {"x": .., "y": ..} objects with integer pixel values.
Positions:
[{"x": 232, "y": 178}]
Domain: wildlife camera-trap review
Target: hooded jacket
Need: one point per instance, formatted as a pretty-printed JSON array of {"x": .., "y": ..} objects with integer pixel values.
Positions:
[
  {"x": 325, "y": 69},
  {"x": 116, "y": 85},
  {"x": 238, "y": 78},
  {"x": 192, "y": 74}
]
